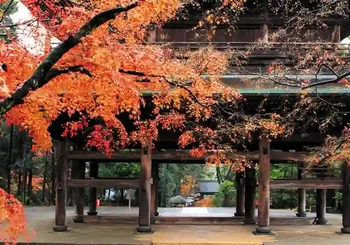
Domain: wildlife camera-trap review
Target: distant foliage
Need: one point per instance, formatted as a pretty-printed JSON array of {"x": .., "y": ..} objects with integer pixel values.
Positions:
[
  {"x": 205, "y": 202},
  {"x": 225, "y": 197}
]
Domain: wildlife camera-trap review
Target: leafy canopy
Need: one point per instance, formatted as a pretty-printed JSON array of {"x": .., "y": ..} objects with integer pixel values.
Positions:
[{"x": 101, "y": 68}]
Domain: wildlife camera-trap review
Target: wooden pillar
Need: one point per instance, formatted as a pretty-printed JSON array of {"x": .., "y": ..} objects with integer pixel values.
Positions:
[
  {"x": 301, "y": 197},
  {"x": 336, "y": 34},
  {"x": 250, "y": 189},
  {"x": 154, "y": 192},
  {"x": 321, "y": 197},
  {"x": 239, "y": 179},
  {"x": 93, "y": 191},
  {"x": 264, "y": 187},
  {"x": 145, "y": 190},
  {"x": 346, "y": 199},
  {"x": 61, "y": 187},
  {"x": 265, "y": 32},
  {"x": 79, "y": 193}
]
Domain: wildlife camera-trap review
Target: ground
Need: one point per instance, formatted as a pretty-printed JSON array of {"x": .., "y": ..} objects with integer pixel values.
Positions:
[{"x": 41, "y": 219}]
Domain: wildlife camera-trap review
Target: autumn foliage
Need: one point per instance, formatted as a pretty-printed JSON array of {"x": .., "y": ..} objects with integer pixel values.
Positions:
[
  {"x": 12, "y": 219},
  {"x": 205, "y": 202},
  {"x": 95, "y": 81}
]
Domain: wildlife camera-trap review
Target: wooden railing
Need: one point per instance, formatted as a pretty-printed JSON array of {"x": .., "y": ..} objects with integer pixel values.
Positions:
[
  {"x": 103, "y": 183},
  {"x": 243, "y": 46}
]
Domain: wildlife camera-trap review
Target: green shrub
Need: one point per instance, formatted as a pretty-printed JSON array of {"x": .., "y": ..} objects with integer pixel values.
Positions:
[{"x": 225, "y": 197}]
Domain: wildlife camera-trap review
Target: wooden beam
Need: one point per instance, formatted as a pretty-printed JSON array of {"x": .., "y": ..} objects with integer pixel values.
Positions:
[
  {"x": 239, "y": 182},
  {"x": 264, "y": 187},
  {"x": 79, "y": 192},
  {"x": 145, "y": 190},
  {"x": 301, "y": 197},
  {"x": 93, "y": 191},
  {"x": 249, "y": 196},
  {"x": 178, "y": 155},
  {"x": 154, "y": 191},
  {"x": 346, "y": 199},
  {"x": 321, "y": 206},
  {"x": 306, "y": 184},
  {"x": 61, "y": 188},
  {"x": 103, "y": 183}
]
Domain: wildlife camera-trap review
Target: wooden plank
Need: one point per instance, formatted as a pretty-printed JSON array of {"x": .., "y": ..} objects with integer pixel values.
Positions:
[
  {"x": 103, "y": 183},
  {"x": 179, "y": 155},
  {"x": 306, "y": 184},
  {"x": 264, "y": 187}
]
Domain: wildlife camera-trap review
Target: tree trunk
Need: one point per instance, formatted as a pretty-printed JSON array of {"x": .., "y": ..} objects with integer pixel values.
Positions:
[
  {"x": 19, "y": 184},
  {"x": 9, "y": 162},
  {"x": 24, "y": 187},
  {"x": 30, "y": 186}
]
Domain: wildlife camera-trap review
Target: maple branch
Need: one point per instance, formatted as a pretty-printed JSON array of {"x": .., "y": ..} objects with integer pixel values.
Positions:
[
  {"x": 56, "y": 72},
  {"x": 335, "y": 80},
  {"x": 39, "y": 77},
  {"x": 194, "y": 97}
]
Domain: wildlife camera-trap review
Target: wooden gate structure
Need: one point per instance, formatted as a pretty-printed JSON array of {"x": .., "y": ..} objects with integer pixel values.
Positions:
[{"x": 250, "y": 27}]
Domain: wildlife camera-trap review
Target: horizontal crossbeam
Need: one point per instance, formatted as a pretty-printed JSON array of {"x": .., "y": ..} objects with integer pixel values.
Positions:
[
  {"x": 174, "y": 156},
  {"x": 334, "y": 184}
]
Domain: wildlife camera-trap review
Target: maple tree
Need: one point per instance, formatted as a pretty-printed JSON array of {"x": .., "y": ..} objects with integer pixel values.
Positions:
[
  {"x": 101, "y": 78},
  {"x": 105, "y": 62}
]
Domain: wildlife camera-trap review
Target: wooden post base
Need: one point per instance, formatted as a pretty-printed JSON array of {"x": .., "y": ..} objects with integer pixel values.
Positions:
[
  {"x": 345, "y": 230},
  {"x": 92, "y": 213},
  {"x": 303, "y": 214},
  {"x": 59, "y": 228},
  {"x": 249, "y": 221},
  {"x": 78, "y": 219},
  {"x": 239, "y": 214},
  {"x": 263, "y": 230},
  {"x": 321, "y": 221},
  {"x": 153, "y": 220},
  {"x": 144, "y": 229}
]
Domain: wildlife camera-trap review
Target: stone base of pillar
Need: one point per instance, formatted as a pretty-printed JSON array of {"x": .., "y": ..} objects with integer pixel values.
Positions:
[
  {"x": 59, "y": 228},
  {"x": 78, "y": 219},
  {"x": 249, "y": 221},
  {"x": 239, "y": 214},
  {"x": 345, "y": 230},
  {"x": 144, "y": 229},
  {"x": 263, "y": 230},
  {"x": 92, "y": 213},
  {"x": 321, "y": 221},
  {"x": 303, "y": 214}
]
